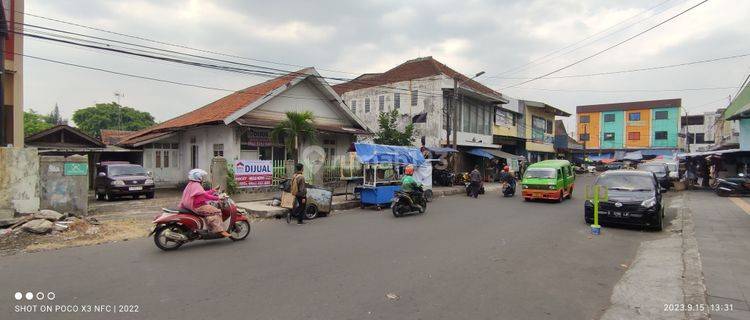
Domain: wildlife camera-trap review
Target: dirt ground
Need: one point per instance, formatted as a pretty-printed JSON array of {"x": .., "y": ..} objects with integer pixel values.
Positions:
[{"x": 80, "y": 233}]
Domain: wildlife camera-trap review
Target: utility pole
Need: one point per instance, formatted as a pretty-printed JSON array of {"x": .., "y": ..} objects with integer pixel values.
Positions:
[
  {"x": 119, "y": 95},
  {"x": 585, "y": 134}
]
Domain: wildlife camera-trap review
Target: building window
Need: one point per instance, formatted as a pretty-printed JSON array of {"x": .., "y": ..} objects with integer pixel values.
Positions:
[
  {"x": 635, "y": 116},
  {"x": 549, "y": 126},
  {"x": 660, "y": 135},
  {"x": 218, "y": 150},
  {"x": 414, "y": 97},
  {"x": 634, "y": 136},
  {"x": 584, "y": 119},
  {"x": 158, "y": 158},
  {"x": 583, "y": 137},
  {"x": 609, "y": 117},
  {"x": 194, "y": 156},
  {"x": 661, "y": 115},
  {"x": 609, "y": 136},
  {"x": 354, "y": 106},
  {"x": 396, "y": 100},
  {"x": 700, "y": 138},
  {"x": 381, "y": 103},
  {"x": 367, "y": 105},
  {"x": 538, "y": 128}
]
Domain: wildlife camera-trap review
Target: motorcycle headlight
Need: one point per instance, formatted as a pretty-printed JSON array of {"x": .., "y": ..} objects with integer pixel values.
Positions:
[
  {"x": 118, "y": 183},
  {"x": 648, "y": 203},
  {"x": 149, "y": 181}
]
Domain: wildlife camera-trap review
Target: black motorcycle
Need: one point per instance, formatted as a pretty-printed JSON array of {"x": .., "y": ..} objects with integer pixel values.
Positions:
[
  {"x": 509, "y": 189},
  {"x": 408, "y": 203},
  {"x": 739, "y": 185},
  {"x": 443, "y": 177}
]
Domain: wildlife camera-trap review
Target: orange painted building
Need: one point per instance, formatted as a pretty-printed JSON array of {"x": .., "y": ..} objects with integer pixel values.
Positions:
[
  {"x": 588, "y": 125},
  {"x": 637, "y": 128}
]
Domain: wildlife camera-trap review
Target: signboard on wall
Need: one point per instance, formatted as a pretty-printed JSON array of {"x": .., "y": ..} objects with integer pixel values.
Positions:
[
  {"x": 253, "y": 173},
  {"x": 76, "y": 168}
]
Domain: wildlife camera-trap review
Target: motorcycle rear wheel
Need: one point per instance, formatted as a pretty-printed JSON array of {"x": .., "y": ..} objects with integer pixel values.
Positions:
[
  {"x": 165, "y": 243},
  {"x": 396, "y": 208}
]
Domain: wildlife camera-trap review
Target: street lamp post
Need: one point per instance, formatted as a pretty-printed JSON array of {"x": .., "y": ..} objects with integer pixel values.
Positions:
[{"x": 454, "y": 127}]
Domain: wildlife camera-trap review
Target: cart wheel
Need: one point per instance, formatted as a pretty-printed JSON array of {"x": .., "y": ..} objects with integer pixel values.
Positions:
[
  {"x": 311, "y": 212},
  {"x": 428, "y": 195},
  {"x": 378, "y": 208}
]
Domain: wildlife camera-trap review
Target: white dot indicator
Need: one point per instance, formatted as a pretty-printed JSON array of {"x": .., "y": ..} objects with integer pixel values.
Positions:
[
  {"x": 18, "y": 296},
  {"x": 29, "y": 296},
  {"x": 40, "y": 295}
]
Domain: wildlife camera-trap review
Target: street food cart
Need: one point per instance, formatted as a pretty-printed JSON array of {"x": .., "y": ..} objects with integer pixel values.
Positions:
[{"x": 381, "y": 169}]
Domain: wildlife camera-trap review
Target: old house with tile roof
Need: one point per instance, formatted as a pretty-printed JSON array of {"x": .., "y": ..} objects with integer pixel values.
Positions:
[{"x": 237, "y": 127}]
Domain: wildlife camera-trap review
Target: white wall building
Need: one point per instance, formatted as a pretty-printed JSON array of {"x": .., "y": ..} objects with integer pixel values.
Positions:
[
  {"x": 237, "y": 127},
  {"x": 421, "y": 90}
]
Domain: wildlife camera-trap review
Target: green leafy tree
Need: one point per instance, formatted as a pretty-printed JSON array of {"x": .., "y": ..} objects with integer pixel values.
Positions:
[
  {"x": 54, "y": 117},
  {"x": 296, "y": 127},
  {"x": 111, "y": 116},
  {"x": 389, "y": 133},
  {"x": 34, "y": 122}
]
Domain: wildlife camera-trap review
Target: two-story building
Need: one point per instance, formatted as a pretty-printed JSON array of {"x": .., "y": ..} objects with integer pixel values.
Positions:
[
  {"x": 11, "y": 111},
  {"x": 633, "y": 125},
  {"x": 698, "y": 130},
  {"x": 423, "y": 90},
  {"x": 538, "y": 130}
]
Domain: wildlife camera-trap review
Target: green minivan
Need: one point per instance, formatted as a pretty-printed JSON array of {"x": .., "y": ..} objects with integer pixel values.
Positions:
[{"x": 549, "y": 179}]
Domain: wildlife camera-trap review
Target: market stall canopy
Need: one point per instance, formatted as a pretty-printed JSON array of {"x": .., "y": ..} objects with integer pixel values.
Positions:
[
  {"x": 599, "y": 157},
  {"x": 441, "y": 149},
  {"x": 479, "y": 152},
  {"x": 635, "y": 155},
  {"x": 501, "y": 154},
  {"x": 379, "y": 153}
]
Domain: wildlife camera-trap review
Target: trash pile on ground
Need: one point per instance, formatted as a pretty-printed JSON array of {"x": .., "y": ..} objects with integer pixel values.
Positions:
[{"x": 49, "y": 222}]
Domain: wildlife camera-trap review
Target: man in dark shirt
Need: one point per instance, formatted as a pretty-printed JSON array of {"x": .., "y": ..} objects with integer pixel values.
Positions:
[
  {"x": 475, "y": 181},
  {"x": 299, "y": 191}
]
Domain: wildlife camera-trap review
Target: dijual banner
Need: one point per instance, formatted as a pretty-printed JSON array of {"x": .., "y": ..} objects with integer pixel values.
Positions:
[{"x": 253, "y": 173}]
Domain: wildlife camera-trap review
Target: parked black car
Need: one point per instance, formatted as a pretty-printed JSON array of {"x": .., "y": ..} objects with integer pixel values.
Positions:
[
  {"x": 116, "y": 179},
  {"x": 739, "y": 185},
  {"x": 635, "y": 199},
  {"x": 660, "y": 169}
]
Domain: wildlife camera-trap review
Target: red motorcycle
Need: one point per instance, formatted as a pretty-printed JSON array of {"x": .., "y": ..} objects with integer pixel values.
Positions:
[{"x": 173, "y": 228}]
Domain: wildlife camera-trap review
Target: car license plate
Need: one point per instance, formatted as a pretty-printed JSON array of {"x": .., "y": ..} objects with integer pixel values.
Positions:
[
  {"x": 616, "y": 214},
  {"x": 135, "y": 188}
]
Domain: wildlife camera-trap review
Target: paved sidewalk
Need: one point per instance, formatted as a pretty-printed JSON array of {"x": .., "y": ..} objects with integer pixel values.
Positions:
[{"x": 722, "y": 229}]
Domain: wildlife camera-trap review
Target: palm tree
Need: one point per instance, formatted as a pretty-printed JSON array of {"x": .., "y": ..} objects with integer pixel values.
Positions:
[{"x": 297, "y": 126}]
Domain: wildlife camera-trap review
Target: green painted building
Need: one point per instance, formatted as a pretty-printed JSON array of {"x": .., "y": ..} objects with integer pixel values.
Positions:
[{"x": 637, "y": 125}]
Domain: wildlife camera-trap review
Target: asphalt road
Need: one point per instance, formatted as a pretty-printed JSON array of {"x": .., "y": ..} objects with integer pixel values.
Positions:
[{"x": 491, "y": 258}]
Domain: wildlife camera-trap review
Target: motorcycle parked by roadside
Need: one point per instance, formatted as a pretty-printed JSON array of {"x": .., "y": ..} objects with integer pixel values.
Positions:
[
  {"x": 442, "y": 177},
  {"x": 175, "y": 227},
  {"x": 739, "y": 185},
  {"x": 407, "y": 203}
]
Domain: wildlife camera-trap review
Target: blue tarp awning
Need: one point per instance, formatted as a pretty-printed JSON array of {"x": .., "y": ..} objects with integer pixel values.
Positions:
[
  {"x": 379, "y": 153},
  {"x": 441, "y": 149},
  {"x": 657, "y": 152},
  {"x": 604, "y": 156},
  {"x": 480, "y": 153}
]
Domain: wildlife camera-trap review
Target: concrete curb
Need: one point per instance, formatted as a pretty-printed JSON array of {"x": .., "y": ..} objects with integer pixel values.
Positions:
[{"x": 271, "y": 212}]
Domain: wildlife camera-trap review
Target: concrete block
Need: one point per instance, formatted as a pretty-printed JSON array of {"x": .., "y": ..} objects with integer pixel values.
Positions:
[{"x": 25, "y": 206}]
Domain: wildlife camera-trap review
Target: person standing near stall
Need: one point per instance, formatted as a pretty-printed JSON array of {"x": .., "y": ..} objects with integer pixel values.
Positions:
[
  {"x": 475, "y": 181},
  {"x": 299, "y": 191}
]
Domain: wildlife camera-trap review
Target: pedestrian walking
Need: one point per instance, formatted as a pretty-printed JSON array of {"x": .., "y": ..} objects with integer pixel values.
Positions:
[
  {"x": 299, "y": 191},
  {"x": 475, "y": 181}
]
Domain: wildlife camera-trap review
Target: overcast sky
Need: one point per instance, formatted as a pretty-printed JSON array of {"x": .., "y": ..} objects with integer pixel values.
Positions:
[{"x": 353, "y": 37}]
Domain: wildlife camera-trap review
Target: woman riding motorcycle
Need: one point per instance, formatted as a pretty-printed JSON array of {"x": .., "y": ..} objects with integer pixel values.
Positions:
[
  {"x": 507, "y": 178},
  {"x": 195, "y": 199}
]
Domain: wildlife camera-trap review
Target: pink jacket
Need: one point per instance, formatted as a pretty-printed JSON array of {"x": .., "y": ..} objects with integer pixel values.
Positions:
[{"x": 194, "y": 196}]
